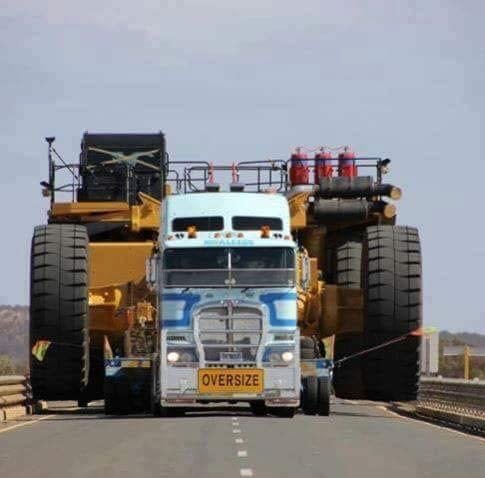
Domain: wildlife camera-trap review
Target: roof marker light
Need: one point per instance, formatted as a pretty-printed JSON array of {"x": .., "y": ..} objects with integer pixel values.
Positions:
[
  {"x": 265, "y": 232},
  {"x": 191, "y": 232}
]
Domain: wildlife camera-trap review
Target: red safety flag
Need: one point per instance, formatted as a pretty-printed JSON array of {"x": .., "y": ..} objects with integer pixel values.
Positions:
[{"x": 422, "y": 331}]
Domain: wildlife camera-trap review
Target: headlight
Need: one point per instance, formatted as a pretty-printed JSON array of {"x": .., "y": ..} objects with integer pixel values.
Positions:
[
  {"x": 182, "y": 356},
  {"x": 173, "y": 357},
  {"x": 287, "y": 356},
  {"x": 278, "y": 355}
]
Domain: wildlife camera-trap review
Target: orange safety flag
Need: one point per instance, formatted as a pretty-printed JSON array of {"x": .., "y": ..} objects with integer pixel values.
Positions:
[
  {"x": 108, "y": 353},
  {"x": 40, "y": 349},
  {"x": 421, "y": 331}
]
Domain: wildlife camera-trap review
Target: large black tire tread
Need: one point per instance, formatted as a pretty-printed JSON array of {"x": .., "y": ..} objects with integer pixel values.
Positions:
[
  {"x": 347, "y": 267},
  {"x": 59, "y": 311},
  {"x": 393, "y": 307}
]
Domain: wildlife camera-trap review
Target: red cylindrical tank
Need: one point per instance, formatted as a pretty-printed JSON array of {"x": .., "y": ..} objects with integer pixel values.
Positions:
[
  {"x": 323, "y": 165},
  {"x": 299, "y": 168},
  {"x": 346, "y": 163}
]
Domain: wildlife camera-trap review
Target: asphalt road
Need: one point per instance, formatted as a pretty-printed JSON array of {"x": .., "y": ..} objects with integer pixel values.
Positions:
[{"x": 358, "y": 441}]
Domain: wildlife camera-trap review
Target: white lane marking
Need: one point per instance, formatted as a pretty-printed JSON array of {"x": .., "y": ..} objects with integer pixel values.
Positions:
[
  {"x": 422, "y": 422},
  {"x": 246, "y": 472},
  {"x": 236, "y": 430},
  {"x": 238, "y": 440},
  {"x": 235, "y": 418},
  {"x": 30, "y": 422},
  {"x": 242, "y": 454}
]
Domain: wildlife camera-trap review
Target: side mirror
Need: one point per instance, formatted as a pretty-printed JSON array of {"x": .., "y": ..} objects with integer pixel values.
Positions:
[
  {"x": 151, "y": 272},
  {"x": 304, "y": 269}
]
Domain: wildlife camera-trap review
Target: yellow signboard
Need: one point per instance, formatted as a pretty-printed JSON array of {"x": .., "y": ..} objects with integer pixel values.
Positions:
[{"x": 229, "y": 381}]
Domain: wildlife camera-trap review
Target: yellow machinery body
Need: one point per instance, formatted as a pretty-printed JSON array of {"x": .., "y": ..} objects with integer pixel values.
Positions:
[{"x": 117, "y": 288}]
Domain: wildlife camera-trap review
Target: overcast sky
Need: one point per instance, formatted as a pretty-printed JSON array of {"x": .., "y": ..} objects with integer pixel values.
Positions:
[{"x": 250, "y": 79}]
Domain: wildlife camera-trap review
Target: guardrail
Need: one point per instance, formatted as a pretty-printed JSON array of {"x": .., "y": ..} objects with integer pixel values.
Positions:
[
  {"x": 460, "y": 402},
  {"x": 15, "y": 396}
]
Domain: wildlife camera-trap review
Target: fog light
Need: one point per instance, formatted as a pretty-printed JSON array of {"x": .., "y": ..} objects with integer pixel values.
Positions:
[
  {"x": 287, "y": 356},
  {"x": 173, "y": 356}
]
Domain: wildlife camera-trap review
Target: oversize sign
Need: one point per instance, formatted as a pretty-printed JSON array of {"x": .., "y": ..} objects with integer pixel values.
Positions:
[{"x": 227, "y": 381}]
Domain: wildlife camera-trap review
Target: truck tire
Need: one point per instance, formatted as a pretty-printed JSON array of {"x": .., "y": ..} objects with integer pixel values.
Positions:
[
  {"x": 111, "y": 406},
  {"x": 323, "y": 396},
  {"x": 393, "y": 307},
  {"x": 347, "y": 267},
  {"x": 310, "y": 395},
  {"x": 59, "y": 311}
]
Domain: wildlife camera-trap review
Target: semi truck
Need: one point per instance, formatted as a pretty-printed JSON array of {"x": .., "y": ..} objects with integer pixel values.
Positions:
[{"x": 158, "y": 288}]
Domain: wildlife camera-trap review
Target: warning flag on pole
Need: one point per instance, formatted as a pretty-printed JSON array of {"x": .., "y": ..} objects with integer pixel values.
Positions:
[
  {"x": 108, "y": 353},
  {"x": 40, "y": 349}
]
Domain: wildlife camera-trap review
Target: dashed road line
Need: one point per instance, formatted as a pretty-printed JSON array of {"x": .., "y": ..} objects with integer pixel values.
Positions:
[{"x": 236, "y": 430}]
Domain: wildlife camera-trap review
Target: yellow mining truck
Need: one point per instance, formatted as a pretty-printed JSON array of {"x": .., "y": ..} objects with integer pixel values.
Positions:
[
  {"x": 88, "y": 261},
  {"x": 359, "y": 275},
  {"x": 365, "y": 287}
]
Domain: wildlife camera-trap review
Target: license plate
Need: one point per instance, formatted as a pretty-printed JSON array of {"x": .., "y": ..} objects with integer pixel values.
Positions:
[
  {"x": 228, "y": 381},
  {"x": 230, "y": 356}
]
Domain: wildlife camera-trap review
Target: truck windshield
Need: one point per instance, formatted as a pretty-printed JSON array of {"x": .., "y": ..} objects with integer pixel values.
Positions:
[{"x": 229, "y": 267}]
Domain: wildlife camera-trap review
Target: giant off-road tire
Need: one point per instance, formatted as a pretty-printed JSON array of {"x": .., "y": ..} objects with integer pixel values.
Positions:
[
  {"x": 59, "y": 311},
  {"x": 393, "y": 307},
  {"x": 347, "y": 272}
]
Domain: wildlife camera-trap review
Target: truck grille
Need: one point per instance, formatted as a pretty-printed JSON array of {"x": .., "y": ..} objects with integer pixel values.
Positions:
[{"x": 230, "y": 334}]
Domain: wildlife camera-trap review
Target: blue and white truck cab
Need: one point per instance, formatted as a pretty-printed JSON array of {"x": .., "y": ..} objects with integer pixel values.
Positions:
[{"x": 225, "y": 279}]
